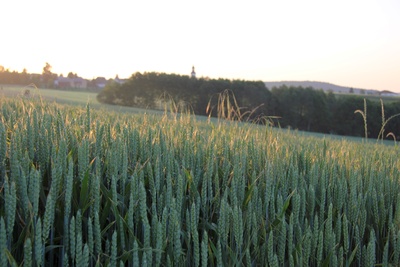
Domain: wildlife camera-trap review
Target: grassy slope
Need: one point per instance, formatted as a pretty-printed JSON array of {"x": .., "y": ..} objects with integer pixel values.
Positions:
[
  {"x": 82, "y": 98},
  {"x": 68, "y": 97}
]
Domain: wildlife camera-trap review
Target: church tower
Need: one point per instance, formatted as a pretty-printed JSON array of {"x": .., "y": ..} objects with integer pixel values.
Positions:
[{"x": 193, "y": 73}]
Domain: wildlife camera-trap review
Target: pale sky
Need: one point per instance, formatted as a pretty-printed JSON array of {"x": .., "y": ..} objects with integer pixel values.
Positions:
[{"x": 354, "y": 43}]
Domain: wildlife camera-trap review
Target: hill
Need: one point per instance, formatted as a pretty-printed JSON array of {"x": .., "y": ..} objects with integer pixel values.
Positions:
[{"x": 327, "y": 87}]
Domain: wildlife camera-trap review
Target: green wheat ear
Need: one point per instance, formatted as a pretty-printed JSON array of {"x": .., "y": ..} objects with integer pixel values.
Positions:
[
  {"x": 3, "y": 151},
  {"x": 204, "y": 250},
  {"x": 113, "y": 258},
  {"x": 28, "y": 252},
  {"x": 38, "y": 246},
  {"x": 10, "y": 206},
  {"x": 364, "y": 115},
  {"x": 3, "y": 242}
]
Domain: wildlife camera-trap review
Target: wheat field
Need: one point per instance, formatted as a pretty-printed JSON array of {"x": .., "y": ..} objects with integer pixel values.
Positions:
[{"x": 85, "y": 187}]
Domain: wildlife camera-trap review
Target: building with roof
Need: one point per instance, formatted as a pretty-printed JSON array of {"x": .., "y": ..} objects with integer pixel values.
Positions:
[
  {"x": 193, "y": 73},
  {"x": 66, "y": 82}
]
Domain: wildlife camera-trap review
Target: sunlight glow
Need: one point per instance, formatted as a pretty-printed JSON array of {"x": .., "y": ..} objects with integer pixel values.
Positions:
[{"x": 349, "y": 43}]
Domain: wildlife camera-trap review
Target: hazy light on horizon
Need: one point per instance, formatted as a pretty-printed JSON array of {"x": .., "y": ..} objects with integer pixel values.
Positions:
[{"x": 349, "y": 43}]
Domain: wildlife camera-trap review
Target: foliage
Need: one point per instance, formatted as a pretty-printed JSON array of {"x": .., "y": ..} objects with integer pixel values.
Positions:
[
  {"x": 81, "y": 187},
  {"x": 301, "y": 108},
  {"x": 47, "y": 76},
  {"x": 14, "y": 77},
  {"x": 45, "y": 79},
  {"x": 148, "y": 90}
]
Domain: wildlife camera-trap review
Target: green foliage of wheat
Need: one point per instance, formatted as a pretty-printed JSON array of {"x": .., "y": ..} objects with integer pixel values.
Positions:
[
  {"x": 3, "y": 242},
  {"x": 80, "y": 186}
]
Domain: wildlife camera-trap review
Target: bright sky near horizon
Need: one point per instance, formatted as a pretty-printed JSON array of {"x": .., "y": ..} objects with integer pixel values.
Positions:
[{"x": 354, "y": 43}]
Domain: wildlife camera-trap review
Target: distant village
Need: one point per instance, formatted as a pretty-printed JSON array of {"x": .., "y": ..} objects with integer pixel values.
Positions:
[
  {"x": 48, "y": 79},
  {"x": 81, "y": 83},
  {"x": 77, "y": 82}
]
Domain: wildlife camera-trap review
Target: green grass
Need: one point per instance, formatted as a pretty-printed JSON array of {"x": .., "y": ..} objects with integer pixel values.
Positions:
[
  {"x": 68, "y": 97},
  {"x": 93, "y": 187}
]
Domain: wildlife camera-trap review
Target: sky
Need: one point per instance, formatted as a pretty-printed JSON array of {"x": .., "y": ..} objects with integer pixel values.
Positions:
[{"x": 354, "y": 43}]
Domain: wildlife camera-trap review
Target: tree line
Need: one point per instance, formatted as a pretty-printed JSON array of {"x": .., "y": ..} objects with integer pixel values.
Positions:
[
  {"x": 293, "y": 107},
  {"x": 45, "y": 79}
]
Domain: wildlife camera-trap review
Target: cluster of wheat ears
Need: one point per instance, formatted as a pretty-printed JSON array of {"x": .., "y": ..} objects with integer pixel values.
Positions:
[{"x": 85, "y": 187}]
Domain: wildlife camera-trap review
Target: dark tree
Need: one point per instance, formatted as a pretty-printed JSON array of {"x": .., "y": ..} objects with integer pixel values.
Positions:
[
  {"x": 72, "y": 75},
  {"x": 47, "y": 76}
]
